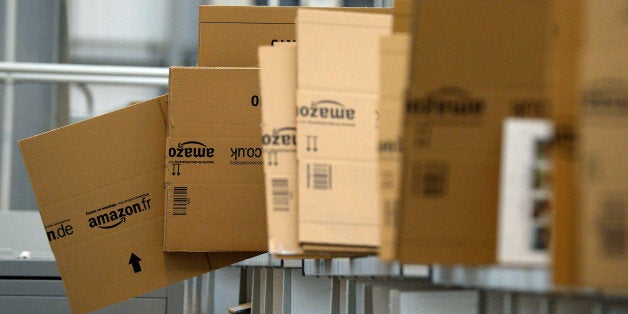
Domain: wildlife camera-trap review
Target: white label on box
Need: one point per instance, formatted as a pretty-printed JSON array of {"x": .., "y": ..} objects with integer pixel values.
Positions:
[{"x": 524, "y": 217}]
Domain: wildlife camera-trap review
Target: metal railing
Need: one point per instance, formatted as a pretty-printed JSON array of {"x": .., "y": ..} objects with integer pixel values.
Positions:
[{"x": 12, "y": 72}]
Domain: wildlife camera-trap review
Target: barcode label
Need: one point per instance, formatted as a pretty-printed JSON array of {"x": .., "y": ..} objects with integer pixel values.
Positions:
[
  {"x": 319, "y": 176},
  {"x": 430, "y": 178},
  {"x": 281, "y": 194},
  {"x": 180, "y": 200},
  {"x": 612, "y": 228}
]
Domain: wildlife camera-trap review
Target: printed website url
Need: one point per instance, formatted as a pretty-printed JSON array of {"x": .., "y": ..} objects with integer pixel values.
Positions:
[{"x": 244, "y": 163}]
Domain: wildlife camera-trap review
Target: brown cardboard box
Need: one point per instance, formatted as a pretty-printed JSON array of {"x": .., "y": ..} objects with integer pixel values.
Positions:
[
  {"x": 215, "y": 198},
  {"x": 394, "y": 61},
  {"x": 230, "y": 35},
  {"x": 564, "y": 96},
  {"x": 602, "y": 149},
  {"x": 473, "y": 63},
  {"x": 401, "y": 13},
  {"x": 337, "y": 99},
  {"x": 99, "y": 186},
  {"x": 278, "y": 78}
]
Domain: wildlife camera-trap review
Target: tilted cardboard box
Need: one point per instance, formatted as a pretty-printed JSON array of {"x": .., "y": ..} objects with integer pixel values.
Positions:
[
  {"x": 99, "y": 186},
  {"x": 214, "y": 170},
  {"x": 473, "y": 63}
]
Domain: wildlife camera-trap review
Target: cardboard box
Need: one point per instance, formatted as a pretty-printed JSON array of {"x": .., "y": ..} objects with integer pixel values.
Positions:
[
  {"x": 394, "y": 61},
  {"x": 214, "y": 169},
  {"x": 337, "y": 99},
  {"x": 602, "y": 148},
  {"x": 230, "y": 35},
  {"x": 473, "y": 63},
  {"x": 565, "y": 46},
  {"x": 402, "y": 16},
  {"x": 278, "y": 79},
  {"x": 99, "y": 186}
]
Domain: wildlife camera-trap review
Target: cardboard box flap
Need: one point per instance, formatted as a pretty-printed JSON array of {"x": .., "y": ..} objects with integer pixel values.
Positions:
[
  {"x": 275, "y": 64},
  {"x": 394, "y": 76},
  {"x": 278, "y": 75},
  {"x": 337, "y": 50},
  {"x": 63, "y": 163}
]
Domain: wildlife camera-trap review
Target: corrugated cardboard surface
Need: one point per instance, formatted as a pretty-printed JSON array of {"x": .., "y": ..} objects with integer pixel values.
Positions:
[
  {"x": 230, "y": 35},
  {"x": 99, "y": 186},
  {"x": 602, "y": 148},
  {"x": 402, "y": 16},
  {"x": 214, "y": 175},
  {"x": 564, "y": 96},
  {"x": 474, "y": 62},
  {"x": 394, "y": 60},
  {"x": 337, "y": 99},
  {"x": 278, "y": 79}
]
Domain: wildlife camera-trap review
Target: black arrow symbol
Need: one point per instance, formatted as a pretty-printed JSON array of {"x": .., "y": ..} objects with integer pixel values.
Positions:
[{"x": 135, "y": 261}]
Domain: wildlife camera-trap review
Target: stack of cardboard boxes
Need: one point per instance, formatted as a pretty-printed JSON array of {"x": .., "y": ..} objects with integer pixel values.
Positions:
[
  {"x": 116, "y": 232},
  {"x": 351, "y": 141}
]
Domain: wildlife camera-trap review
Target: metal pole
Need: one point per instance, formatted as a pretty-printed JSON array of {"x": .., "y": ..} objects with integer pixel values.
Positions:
[
  {"x": 83, "y": 69},
  {"x": 334, "y": 305},
  {"x": 52, "y": 72},
  {"x": 75, "y": 78},
  {"x": 8, "y": 108}
]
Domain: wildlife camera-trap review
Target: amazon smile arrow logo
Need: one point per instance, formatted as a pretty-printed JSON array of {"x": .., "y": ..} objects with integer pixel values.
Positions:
[{"x": 114, "y": 225}]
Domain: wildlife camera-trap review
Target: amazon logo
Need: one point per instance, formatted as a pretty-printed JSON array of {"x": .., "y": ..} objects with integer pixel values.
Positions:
[
  {"x": 326, "y": 110},
  {"x": 191, "y": 149},
  {"x": 118, "y": 216}
]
